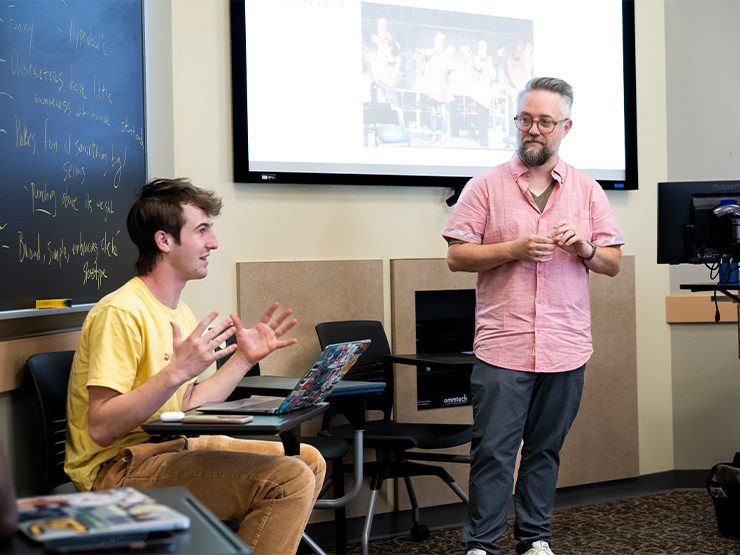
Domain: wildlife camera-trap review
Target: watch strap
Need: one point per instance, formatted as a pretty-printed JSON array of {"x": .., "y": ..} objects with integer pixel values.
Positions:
[{"x": 590, "y": 257}]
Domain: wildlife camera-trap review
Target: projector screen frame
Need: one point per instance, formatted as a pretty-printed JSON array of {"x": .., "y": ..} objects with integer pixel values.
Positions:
[{"x": 240, "y": 139}]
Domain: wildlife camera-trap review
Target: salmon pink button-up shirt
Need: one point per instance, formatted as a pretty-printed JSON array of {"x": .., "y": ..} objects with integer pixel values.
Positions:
[{"x": 533, "y": 317}]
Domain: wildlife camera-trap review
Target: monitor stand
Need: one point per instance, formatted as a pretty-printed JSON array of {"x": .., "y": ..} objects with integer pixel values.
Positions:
[{"x": 730, "y": 293}]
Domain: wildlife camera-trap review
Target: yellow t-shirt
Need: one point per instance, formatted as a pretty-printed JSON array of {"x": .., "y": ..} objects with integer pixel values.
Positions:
[{"x": 126, "y": 339}]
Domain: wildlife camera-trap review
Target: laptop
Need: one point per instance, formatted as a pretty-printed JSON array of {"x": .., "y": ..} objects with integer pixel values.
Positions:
[{"x": 311, "y": 389}]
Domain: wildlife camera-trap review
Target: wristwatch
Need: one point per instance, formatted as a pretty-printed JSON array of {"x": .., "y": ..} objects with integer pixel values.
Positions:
[{"x": 593, "y": 253}]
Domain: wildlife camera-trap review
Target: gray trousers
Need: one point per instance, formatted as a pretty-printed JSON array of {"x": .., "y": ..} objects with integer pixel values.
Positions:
[{"x": 509, "y": 406}]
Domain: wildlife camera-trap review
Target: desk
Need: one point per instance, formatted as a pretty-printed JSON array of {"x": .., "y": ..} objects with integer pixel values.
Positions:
[
  {"x": 443, "y": 361},
  {"x": 287, "y": 426},
  {"x": 348, "y": 397},
  {"x": 206, "y": 534}
]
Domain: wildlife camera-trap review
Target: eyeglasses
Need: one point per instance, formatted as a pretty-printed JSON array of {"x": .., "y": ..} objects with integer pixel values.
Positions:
[{"x": 545, "y": 125}]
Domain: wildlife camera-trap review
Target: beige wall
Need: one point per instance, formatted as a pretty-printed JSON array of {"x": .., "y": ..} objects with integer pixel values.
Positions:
[
  {"x": 700, "y": 36},
  {"x": 272, "y": 223}
]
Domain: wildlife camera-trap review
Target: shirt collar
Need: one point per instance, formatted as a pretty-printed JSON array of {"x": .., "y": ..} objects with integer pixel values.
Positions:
[{"x": 518, "y": 169}]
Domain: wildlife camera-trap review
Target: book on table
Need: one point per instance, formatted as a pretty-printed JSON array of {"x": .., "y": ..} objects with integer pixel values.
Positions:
[{"x": 96, "y": 518}]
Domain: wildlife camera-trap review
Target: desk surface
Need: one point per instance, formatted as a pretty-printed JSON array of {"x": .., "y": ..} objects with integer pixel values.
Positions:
[
  {"x": 444, "y": 361},
  {"x": 206, "y": 534},
  {"x": 696, "y": 287},
  {"x": 260, "y": 425}
]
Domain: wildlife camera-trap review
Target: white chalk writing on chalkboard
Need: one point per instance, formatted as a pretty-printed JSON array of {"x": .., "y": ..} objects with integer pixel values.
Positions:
[{"x": 72, "y": 147}]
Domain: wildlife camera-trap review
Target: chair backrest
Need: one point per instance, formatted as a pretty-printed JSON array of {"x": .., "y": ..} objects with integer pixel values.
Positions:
[
  {"x": 372, "y": 364},
  {"x": 253, "y": 371},
  {"x": 50, "y": 374}
]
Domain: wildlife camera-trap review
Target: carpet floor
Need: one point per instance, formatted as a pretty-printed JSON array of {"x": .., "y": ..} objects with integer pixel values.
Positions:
[{"x": 681, "y": 522}]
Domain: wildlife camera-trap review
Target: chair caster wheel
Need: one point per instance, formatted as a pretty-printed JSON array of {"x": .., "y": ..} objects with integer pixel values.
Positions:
[{"x": 419, "y": 533}]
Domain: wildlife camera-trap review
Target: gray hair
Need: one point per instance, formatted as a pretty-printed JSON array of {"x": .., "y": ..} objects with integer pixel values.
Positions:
[{"x": 552, "y": 84}]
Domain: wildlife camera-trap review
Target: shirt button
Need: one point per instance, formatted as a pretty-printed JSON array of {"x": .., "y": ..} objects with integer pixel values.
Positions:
[
  {"x": 539, "y": 301},
  {"x": 539, "y": 272}
]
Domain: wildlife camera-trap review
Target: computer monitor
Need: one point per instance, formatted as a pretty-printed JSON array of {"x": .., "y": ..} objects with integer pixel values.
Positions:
[{"x": 698, "y": 222}]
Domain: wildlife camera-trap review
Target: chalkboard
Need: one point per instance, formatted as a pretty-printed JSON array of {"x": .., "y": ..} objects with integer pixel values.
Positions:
[{"x": 72, "y": 147}]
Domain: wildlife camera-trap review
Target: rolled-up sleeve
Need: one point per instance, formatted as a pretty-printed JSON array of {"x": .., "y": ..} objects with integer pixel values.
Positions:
[{"x": 468, "y": 220}]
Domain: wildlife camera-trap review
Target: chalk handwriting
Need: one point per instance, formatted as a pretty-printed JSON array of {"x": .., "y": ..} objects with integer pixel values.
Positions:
[
  {"x": 75, "y": 86},
  {"x": 93, "y": 274},
  {"x": 119, "y": 164},
  {"x": 57, "y": 254},
  {"x": 71, "y": 171},
  {"x": 16, "y": 26},
  {"x": 106, "y": 206},
  {"x": 108, "y": 245},
  {"x": 83, "y": 248},
  {"x": 100, "y": 90},
  {"x": 41, "y": 197},
  {"x": 103, "y": 118},
  {"x": 49, "y": 144},
  {"x": 64, "y": 105},
  {"x": 26, "y": 250},
  {"x": 46, "y": 74},
  {"x": 24, "y": 139},
  {"x": 68, "y": 200},
  {"x": 136, "y": 134},
  {"x": 85, "y": 39}
]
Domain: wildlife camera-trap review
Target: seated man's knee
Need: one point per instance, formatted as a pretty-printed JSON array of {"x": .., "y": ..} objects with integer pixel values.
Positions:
[
  {"x": 313, "y": 459},
  {"x": 294, "y": 477}
]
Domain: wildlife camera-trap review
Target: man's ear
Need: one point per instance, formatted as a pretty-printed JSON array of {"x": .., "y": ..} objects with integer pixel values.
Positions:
[
  {"x": 566, "y": 127},
  {"x": 163, "y": 241}
]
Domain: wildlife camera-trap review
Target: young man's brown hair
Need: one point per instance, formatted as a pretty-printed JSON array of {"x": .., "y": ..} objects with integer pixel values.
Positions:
[{"x": 159, "y": 207}]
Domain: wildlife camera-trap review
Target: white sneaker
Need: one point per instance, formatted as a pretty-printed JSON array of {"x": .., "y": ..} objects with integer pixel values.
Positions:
[
  {"x": 475, "y": 551},
  {"x": 539, "y": 548}
]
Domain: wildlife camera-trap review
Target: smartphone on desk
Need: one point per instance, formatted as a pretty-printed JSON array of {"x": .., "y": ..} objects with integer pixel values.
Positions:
[{"x": 217, "y": 418}]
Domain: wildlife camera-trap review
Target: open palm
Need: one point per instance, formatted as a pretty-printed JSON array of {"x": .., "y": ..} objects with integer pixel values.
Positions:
[{"x": 254, "y": 344}]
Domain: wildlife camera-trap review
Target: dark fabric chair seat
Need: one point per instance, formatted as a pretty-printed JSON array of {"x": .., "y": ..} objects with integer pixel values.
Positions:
[
  {"x": 329, "y": 447},
  {"x": 387, "y": 435}
]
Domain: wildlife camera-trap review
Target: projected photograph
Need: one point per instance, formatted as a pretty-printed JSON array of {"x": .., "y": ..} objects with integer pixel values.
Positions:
[
  {"x": 414, "y": 93},
  {"x": 441, "y": 79}
]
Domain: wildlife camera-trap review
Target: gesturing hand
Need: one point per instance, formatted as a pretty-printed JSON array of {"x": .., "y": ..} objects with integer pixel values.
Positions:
[
  {"x": 570, "y": 239},
  {"x": 534, "y": 248},
  {"x": 256, "y": 343},
  {"x": 196, "y": 352}
]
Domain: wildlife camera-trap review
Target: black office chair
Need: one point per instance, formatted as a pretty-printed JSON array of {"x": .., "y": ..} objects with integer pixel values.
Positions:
[
  {"x": 50, "y": 374},
  {"x": 390, "y": 439},
  {"x": 333, "y": 449}
]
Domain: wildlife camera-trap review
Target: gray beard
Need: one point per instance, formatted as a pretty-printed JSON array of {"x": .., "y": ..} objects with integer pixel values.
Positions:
[{"x": 534, "y": 157}]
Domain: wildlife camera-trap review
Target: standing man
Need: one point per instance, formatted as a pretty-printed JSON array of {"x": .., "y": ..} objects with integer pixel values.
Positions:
[
  {"x": 484, "y": 74},
  {"x": 532, "y": 229},
  {"x": 433, "y": 63},
  {"x": 139, "y": 354}
]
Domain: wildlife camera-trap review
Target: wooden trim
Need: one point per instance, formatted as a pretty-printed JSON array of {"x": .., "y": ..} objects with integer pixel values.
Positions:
[
  {"x": 13, "y": 354},
  {"x": 687, "y": 309}
]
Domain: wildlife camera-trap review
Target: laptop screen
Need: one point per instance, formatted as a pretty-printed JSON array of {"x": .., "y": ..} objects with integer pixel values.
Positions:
[{"x": 328, "y": 369}]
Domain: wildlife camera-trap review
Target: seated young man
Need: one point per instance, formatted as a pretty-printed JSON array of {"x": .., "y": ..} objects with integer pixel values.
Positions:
[{"x": 138, "y": 356}]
